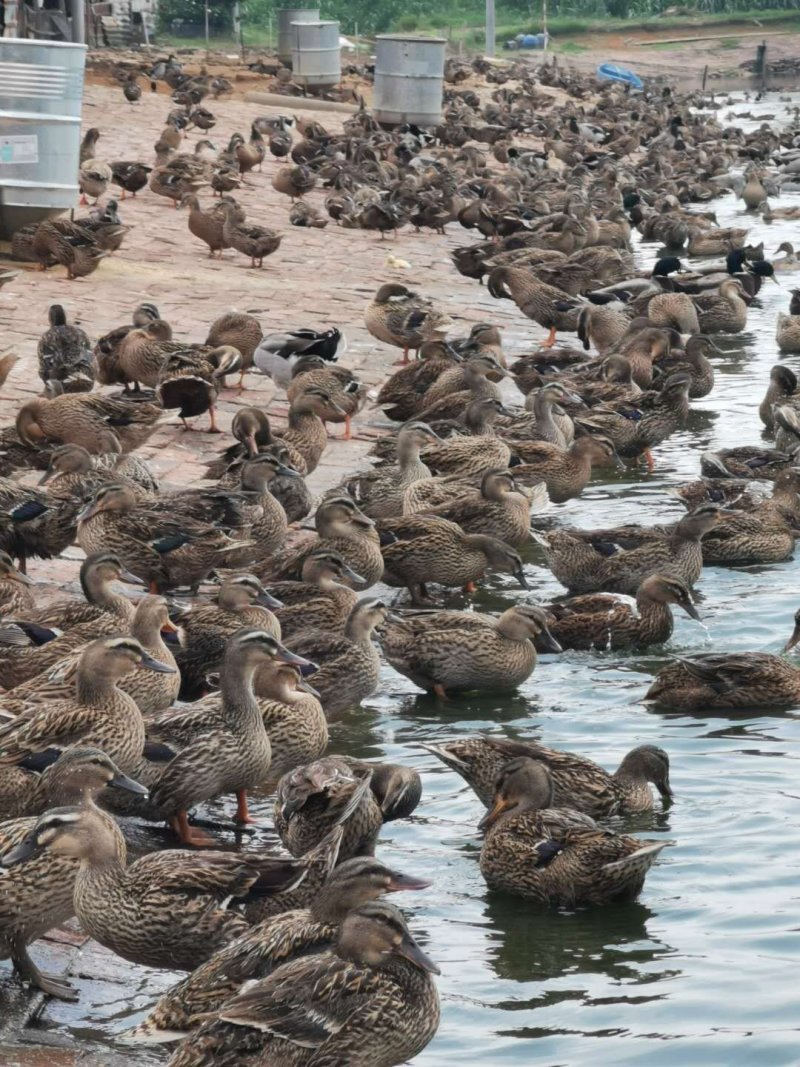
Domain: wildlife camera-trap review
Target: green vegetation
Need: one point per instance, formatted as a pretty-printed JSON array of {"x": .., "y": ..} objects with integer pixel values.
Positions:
[{"x": 463, "y": 19}]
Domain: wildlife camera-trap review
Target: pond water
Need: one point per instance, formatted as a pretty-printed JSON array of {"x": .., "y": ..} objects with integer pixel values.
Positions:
[{"x": 703, "y": 967}]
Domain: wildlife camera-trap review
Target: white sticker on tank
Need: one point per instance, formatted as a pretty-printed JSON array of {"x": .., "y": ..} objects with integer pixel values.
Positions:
[{"x": 19, "y": 149}]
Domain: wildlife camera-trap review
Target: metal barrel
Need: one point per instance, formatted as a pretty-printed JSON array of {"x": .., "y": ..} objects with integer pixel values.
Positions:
[
  {"x": 286, "y": 16},
  {"x": 41, "y": 88},
  {"x": 409, "y": 79},
  {"x": 316, "y": 55}
]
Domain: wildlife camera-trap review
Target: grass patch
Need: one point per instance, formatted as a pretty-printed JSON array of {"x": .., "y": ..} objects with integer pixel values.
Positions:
[
  {"x": 730, "y": 42},
  {"x": 571, "y": 48}
]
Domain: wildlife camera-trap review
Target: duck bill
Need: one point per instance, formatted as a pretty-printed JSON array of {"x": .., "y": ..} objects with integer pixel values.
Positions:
[
  {"x": 503, "y": 410},
  {"x": 444, "y": 754},
  {"x": 17, "y": 576},
  {"x": 267, "y": 600},
  {"x": 664, "y": 790},
  {"x": 398, "y": 883},
  {"x": 352, "y": 576},
  {"x": 122, "y": 781},
  {"x": 285, "y": 656},
  {"x": 548, "y": 643},
  {"x": 410, "y": 950},
  {"x": 618, "y": 462},
  {"x": 129, "y": 579},
  {"x": 88, "y": 512},
  {"x": 493, "y": 814},
  {"x": 304, "y": 687},
  {"x": 252, "y": 447},
  {"x": 793, "y": 640},
  {"x": 287, "y": 472},
  {"x": 519, "y": 574},
  {"x": 692, "y": 611},
  {"x": 25, "y": 850},
  {"x": 151, "y": 664},
  {"x": 169, "y": 627},
  {"x": 45, "y": 478},
  {"x": 363, "y": 520}
]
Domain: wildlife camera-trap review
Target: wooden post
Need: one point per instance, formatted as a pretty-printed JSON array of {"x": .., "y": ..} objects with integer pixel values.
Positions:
[
  {"x": 705, "y": 76},
  {"x": 490, "y": 28},
  {"x": 206, "y": 17},
  {"x": 762, "y": 56},
  {"x": 544, "y": 23}
]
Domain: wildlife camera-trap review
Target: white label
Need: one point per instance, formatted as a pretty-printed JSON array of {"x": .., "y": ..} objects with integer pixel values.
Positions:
[{"x": 19, "y": 149}]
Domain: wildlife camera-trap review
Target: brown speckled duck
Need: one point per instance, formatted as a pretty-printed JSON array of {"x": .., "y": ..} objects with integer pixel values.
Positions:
[{"x": 552, "y": 855}]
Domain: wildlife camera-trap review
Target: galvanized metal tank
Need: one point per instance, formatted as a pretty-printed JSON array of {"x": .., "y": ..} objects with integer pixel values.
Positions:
[
  {"x": 316, "y": 55},
  {"x": 409, "y": 79},
  {"x": 41, "y": 87},
  {"x": 286, "y": 16}
]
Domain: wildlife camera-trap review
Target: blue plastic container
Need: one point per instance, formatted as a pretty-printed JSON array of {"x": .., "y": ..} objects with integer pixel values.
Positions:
[{"x": 610, "y": 72}]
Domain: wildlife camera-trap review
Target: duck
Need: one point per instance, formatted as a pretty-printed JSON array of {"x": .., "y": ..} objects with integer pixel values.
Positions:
[
  {"x": 190, "y": 380},
  {"x": 556, "y": 856},
  {"x": 692, "y": 361},
  {"x": 16, "y": 597},
  {"x": 550, "y": 307},
  {"x": 257, "y": 242},
  {"x": 473, "y": 380},
  {"x": 787, "y": 332},
  {"x": 380, "y": 492},
  {"x": 161, "y": 548},
  {"x": 130, "y": 175},
  {"x": 602, "y": 621},
  {"x": 68, "y": 243},
  {"x": 84, "y": 419},
  {"x": 726, "y": 680},
  {"x": 377, "y": 979},
  {"x": 36, "y": 522},
  {"x": 97, "y": 575},
  {"x": 166, "y": 909},
  {"x": 310, "y": 800},
  {"x": 99, "y": 714},
  {"x": 724, "y": 312},
  {"x": 579, "y": 560},
  {"x": 400, "y": 395},
  {"x": 429, "y": 549},
  {"x": 565, "y": 472},
  {"x": 499, "y": 507},
  {"x": 206, "y": 226},
  {"x": 342, "y": 527},
  {"x": 348, "y": 662},
  {"x": 788, "y": 261},
  {"x": 636, "y": 427},
  {"x": 63, "y": 627},
  {"x": 746, "y": 461},
  {"x": 547, "y": 421},
  {"x": 277, "y": 353},
  {"x": 153, "y": 691},
  {"x": 38, "y": 893},
  {"x": 242, "y": 601},
  {"x": 239, "y": 330},
  {"x": 269, "y": 944},
  {"x": 220, "y": 747},
  {"x": 320, "y": 600},
  {"x": 253, "y": 433},
  {"x": 449, "y": 650},
  {"x": 400, "y": 317},
  {"x": 302, "y": 213},
  {"x": 141, "y": 353},
  {"x": 73, "y": 472},
  {"x": 93, "y": 179},
  {"x": 578, "y": 783},
  {"x": 346, "y": 394},
  {"x": 65, "y": 354}
]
